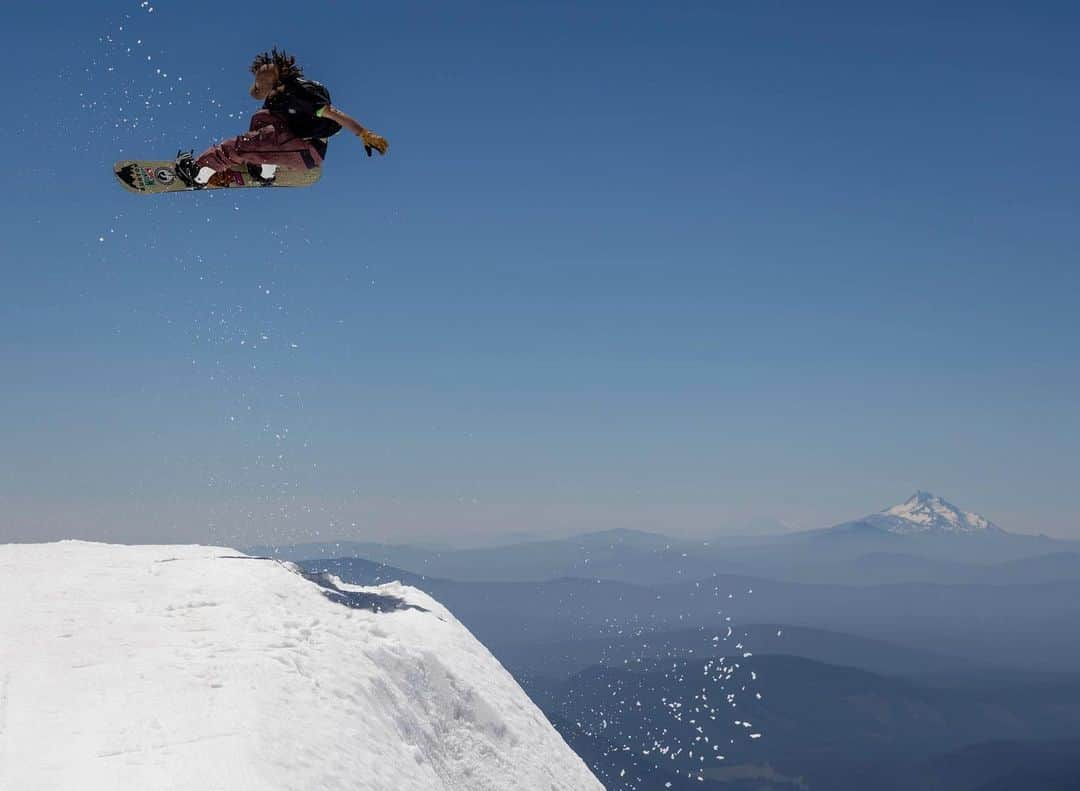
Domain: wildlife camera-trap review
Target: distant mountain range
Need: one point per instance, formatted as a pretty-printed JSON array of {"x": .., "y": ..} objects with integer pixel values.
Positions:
[{"x": 924, "y": 539}]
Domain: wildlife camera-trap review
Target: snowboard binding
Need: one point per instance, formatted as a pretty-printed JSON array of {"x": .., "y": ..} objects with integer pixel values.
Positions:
[{"x": 186, "y": 170}]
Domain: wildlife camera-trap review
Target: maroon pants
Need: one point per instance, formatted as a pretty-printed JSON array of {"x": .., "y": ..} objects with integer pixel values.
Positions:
[{"x": 268, "y": 142}]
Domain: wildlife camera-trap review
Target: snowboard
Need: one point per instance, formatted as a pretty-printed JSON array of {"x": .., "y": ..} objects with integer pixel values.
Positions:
[{"x": 151, "y": 177}]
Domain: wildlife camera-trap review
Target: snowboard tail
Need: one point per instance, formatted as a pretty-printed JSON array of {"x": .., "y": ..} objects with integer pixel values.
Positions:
[{"x": 152, "y": 177}]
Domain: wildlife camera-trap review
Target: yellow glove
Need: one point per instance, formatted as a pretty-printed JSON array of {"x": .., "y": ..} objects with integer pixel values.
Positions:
[{"x": 374, "y": 141}]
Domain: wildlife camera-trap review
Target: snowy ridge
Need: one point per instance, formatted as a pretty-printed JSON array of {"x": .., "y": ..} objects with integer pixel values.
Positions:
[
  {"x": 924, "y": 512},
  {"x": 188, "y": 667}
]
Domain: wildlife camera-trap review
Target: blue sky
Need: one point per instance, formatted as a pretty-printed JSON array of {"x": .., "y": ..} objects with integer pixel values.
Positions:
[{"x": 674, "y": 267}]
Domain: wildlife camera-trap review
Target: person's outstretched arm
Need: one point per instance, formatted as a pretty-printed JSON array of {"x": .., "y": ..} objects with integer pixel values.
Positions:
[{"x": 371, "y": 140}]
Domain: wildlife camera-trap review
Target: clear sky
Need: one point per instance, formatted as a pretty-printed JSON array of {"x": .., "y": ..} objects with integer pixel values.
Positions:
[{"x": 687, "y": 267}]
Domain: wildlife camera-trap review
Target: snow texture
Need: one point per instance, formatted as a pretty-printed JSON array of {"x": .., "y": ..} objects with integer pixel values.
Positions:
[
  {"x": 186, "y": 667},
  {"x": 924, "y": 512}
]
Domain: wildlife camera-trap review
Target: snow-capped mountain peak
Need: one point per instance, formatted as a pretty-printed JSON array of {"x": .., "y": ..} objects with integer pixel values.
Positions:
[{"x": 924, "y": 512}]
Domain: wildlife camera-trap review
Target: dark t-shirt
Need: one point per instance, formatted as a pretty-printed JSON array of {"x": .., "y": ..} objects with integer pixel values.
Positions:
[{"x": 300, "y": 101}]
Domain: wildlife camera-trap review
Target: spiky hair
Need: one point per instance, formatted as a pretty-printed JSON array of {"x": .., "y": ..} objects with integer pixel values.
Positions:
[{"x": 286, "y": 63}]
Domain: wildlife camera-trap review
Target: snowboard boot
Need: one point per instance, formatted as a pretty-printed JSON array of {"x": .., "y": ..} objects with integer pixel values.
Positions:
[{"x": 257, "y": 174}]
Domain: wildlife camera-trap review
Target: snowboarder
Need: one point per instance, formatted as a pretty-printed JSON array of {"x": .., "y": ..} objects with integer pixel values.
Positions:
[{"x": 290, "y": 131}]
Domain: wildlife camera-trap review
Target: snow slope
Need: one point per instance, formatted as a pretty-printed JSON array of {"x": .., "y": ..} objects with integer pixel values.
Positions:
[{"x": 183, "y": 667}]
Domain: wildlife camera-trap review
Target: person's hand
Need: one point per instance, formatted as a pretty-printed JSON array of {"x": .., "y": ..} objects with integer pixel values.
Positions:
[{"x": 373, "y": 141}]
